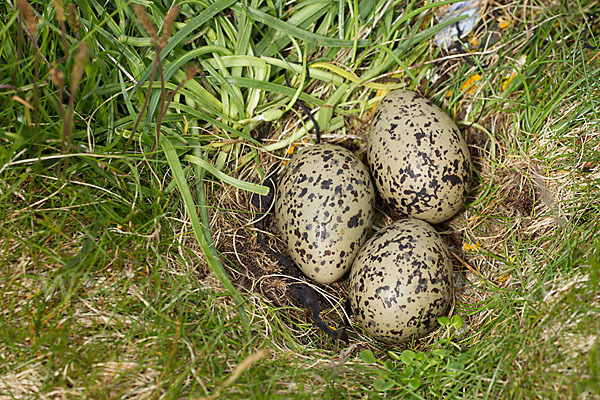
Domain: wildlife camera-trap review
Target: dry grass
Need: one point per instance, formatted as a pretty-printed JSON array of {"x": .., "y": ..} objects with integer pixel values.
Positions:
[{"x": 520, "y": 246}]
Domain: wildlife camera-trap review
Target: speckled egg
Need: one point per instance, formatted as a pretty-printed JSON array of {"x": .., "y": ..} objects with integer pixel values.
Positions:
[
  {"x": 323, "y": 209},
  {"x": 400, "y": 281},
  {"x": 419, "y": 159}
]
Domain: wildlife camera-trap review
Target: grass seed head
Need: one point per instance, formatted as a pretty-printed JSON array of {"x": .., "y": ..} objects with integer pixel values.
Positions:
[
  {"x": 192, "y": 70},
  {"x": 29, "y": 17},
  {"x": 168, "y": 25},
  {"x": 143, "y": 19},
  {"x": 73, "y": 17},
  {"x": 58, "y": 77},
  {"x": 78, "y": 66},
  {"x": 60, "y": 11}
]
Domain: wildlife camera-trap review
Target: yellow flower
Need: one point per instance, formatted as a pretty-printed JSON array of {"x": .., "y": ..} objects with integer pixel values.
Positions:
[
  {"x": 471, "y": 247},
  {"x": 292, "y": 148},
  {"x": 503, "y": 23},
  {"x": 507, "y": 80},
  {"x": 469, "y": 84}
]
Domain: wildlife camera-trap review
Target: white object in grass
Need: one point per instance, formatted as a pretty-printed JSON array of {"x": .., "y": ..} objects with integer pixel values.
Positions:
[{"x": 471, "y": 10}]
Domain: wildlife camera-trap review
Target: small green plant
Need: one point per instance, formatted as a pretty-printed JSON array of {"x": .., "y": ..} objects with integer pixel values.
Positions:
[
  {"x": 427, "y": 373},
  {"x": 451, "y": 326}
]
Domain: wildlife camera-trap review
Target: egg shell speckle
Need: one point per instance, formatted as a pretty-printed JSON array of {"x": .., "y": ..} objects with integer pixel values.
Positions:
[
  {"x": 400, "y": 281},
  {"x": 420, "y": 161},
  {"x": 323, "y": 210}
]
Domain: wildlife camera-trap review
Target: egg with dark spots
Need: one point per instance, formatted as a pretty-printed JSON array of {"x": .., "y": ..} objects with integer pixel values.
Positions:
[
  {"x": 323, "y": 210},
  {"x": 400, "y": 281},
  {"x": 419, "y": 159}
]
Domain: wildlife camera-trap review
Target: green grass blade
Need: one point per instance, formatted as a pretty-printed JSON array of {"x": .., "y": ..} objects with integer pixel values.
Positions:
[
  {"x": 178, "y": 63},
  {"x": 275, "y": 88},
  {"x": 296, "y": 32},
  {"x": 200, "y": 231},
  {"x": 208, "y": 13},
  {"x": 250, "y": 187}
]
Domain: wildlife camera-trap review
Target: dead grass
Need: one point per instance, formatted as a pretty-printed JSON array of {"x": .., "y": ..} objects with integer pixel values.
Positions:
[{"x": 536, "y": 191}]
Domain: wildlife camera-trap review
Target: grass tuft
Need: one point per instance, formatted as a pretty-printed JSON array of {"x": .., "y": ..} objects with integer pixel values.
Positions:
[{"x": 133, "y": 135}]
